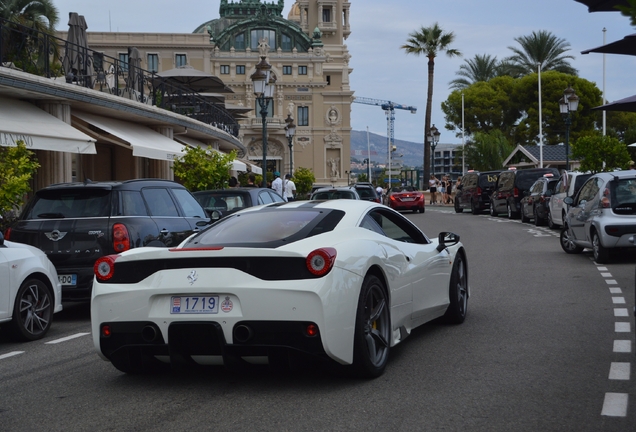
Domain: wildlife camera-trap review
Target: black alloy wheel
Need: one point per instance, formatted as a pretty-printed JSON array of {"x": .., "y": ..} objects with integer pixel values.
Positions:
[
  {"x": 373, "y": 329},
  {"x": 458, "y": 208},
  {"x": 458, "y": 292},
  {"x": 537, "y": 220},
  {"x": 32, "y": 312}
]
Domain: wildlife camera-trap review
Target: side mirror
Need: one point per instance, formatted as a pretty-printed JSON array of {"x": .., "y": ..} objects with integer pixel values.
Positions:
[
  {"x": 446, "y": 239},
  {"x": 548, "y": 194},
  {"x": 1, "y": 239},
  {"x": 568, "y": 200}
]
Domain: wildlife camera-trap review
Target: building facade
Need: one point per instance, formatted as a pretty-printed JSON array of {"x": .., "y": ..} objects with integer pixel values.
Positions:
[{"x": 309, "y": 60}]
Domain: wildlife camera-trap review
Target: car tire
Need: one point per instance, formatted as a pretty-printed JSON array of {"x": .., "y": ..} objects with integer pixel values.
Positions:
[
  {"x": 567, "y": 243},
  {"x": 32, "y": 311},
  {"x": 601, "y": 253},
  {"x": 458, "y": 209},
  {"x": 511, "y": 214},
  {"x": 537, "y": 220},
  {"x": 473, "y": 207},
  {"x": 372, "y": 329},
  {"x": 457, "y": 292},
  {"x": 551, "y": 223},
  {"x": 524, "y": 218},
  {"x": 422, "y": 210},
  {"x": 493, "y": 212}
]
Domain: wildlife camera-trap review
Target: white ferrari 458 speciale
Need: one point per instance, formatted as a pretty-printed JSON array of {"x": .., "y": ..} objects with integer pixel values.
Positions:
[{"x": 339, "y": 280}]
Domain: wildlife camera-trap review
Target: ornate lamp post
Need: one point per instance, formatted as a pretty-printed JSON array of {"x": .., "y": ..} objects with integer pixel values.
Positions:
[
  {"x": 290, "y": 131},
  {"x": 434, "y": 140},
  {"x": 264, "y": 85},
  {"x": 568, "y": 104}
]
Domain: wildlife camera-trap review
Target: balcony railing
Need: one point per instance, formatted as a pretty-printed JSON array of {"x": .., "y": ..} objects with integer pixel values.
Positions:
[{"x": 42, "y": 54}]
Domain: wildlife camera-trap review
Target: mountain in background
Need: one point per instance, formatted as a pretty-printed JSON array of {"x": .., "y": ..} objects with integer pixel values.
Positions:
[{"x": 413, "y": 152}]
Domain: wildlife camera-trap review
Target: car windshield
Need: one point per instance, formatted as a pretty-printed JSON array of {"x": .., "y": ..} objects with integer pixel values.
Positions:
[
  {"x": 266, "y": 228},
  {"x": 70, "y": 203},
  {"x": 329, "y": 195}
]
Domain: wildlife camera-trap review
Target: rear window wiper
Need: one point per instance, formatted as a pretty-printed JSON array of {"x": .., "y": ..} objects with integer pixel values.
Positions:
[{"x": 51, "y": 216}]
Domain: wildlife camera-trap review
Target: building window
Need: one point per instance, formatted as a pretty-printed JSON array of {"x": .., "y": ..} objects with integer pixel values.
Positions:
[
  {"x": 98, "y": 61},
  {"x": 225, "y": 69},
  {"x": 302, "y": 70},
  {"x": 286, "y": 42},
  {"x": 257, "y": 35},
  {"x": 153, "y": 62},
  {"x": 239, "y": 41},
  {"x": 287, "y": 70},
  {"x": 303, "y": 116},
  {"x": 180, "y": 60},
  {"x": 240, "y": 70},
  {"x": 326, "y": 14},
  {"x": 123, "y": 61},
  {"x": 270, "y": 109},
  {"x": 328, "y": 79}
]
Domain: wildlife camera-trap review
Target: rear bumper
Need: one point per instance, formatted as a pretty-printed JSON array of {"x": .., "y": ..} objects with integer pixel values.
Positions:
[{"x": 82, "y": 290}]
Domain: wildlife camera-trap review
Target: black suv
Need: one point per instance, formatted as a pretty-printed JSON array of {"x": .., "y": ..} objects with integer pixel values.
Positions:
[
  {"x": 367, "y": 191},
  {"x": 510, "y": 188},
  {"x": 474, "y": 191},
  {"x": 77, "y": 223}
]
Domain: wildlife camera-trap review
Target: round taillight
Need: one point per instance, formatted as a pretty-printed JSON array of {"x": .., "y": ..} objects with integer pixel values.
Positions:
[
  {"x": 320, "y": 261},
  {"x": 311, "y": 330},
  {"x": 104, "y": 267}
]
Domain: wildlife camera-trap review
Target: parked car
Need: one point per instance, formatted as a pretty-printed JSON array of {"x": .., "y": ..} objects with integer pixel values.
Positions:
[
  {"x": 340, "y": 281},
  {"x": 602, "y": 216},
  {"x": 30, "y": 292},
  {"x": 76, "y": 223},
  {"x": 317, "y": 186},
  {"x": 474, "y": 191},
  {"x": 568, "y": 186},
  {"x": 534, "y": 204},
  {"x": 510, "y": 188},
  {"x": 367, "y": 191},
  {"x": 222, "y": 202},
  {"x": 344, "y": 192},
  {"x": 406, "y": 198}
]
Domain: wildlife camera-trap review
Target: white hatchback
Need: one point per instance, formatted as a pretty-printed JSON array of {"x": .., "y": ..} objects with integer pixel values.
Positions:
[{"x": 569, "y": 184}]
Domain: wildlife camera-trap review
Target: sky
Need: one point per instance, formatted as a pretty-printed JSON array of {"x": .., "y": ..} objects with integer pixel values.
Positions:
[{"x": 381, "y": 70}]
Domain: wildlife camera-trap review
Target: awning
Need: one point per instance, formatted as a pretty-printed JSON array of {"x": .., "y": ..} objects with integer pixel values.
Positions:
[
  {"x": 237, "y": 165},
  {"x": 603, "y": 5},
  {"x": 144, "y": 141},
  {"x": 39, "y": 130},
  {"x": 626, "y": 46},
  {"x": 627, "y": 104}
]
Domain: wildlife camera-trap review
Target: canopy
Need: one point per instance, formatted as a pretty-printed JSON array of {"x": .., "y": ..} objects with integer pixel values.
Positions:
[
  {"x": 39, "y": 130},
  {"x": 77, "y": 61},
  {"x": 626, "y": 46},
  {"x": 196, "y": 80},
  {"x": 603, "y": 5},
  {"x": 628, "y": 104},
  {"x": 144, "y": 141},
  {"x": 237, "y": 164}
]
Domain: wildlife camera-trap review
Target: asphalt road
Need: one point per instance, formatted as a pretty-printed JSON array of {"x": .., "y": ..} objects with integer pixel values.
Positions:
[{"x": 542, "y": 349}]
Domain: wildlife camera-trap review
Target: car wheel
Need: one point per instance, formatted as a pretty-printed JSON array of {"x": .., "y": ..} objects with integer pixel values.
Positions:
[
  {"x": 422, "y": 209},
  {"x": 524, "y": 218},
  {"x": 492, "y": 209},
  {"x": 567, "y": 243},
  {"x": 473, "y": 208},
  {"x": 537, "y": 220},
  {"x": 551, "y": 223},
  {"x": 373, "y": 329},
  {"x": 458, "y": 293},
  {"x": 511, "y": 214},
  {"x": 32, "y": 312},
  {"x": 601, "y": 254},
  {"x": 458, "y": 208}
]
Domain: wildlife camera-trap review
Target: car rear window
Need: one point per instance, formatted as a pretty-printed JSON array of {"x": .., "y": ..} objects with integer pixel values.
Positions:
[
  {"x": 578, "y": 182},
  {"x": 366, "y": 193},
  {"x": 525, "y": 179},
  {"x": 624, "y": 191},
  {"x": 70, "y": 203}
]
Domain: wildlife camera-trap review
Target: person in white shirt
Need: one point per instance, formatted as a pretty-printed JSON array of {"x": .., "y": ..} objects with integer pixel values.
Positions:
[
  {"x": 277, "y": 184},
  {"x": 290, "y": 188}
]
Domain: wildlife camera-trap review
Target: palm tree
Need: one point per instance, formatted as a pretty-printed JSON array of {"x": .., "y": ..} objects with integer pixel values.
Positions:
[
  {"x": 430, "y": 41},
  {"x": 39, "y": 14},
  {"x": 543, "y": 48},
  {"x": 481, "y": 68}
]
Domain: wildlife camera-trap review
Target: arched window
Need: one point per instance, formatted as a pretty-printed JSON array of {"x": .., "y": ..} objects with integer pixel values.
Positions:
[{"x": 256, "y": 35}]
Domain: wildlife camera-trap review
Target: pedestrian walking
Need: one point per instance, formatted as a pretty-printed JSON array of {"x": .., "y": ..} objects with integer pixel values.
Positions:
[
  {"x": 432, "y": 188},
  {"x": 290, "y": 188},
  {"x": 449, "y": 190},
  {"x": 277, "y": 184}
]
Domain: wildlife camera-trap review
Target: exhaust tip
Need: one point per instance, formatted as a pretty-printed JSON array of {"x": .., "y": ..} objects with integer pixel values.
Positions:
[
  {"x": 149, "y": 333},
  {"x": 243, "y": 333}
]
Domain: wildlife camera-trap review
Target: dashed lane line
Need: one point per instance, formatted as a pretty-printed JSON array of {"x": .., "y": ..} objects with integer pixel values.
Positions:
[
  {"x": 67, "y": 338},
  {"x": 11, "y": 354}
]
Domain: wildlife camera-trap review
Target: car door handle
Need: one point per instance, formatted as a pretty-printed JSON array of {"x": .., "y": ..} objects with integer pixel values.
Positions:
[{"x": 164, "y": 231}]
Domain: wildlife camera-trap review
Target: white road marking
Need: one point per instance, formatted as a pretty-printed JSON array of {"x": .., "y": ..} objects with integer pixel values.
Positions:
[
  {"x": 610, "y": 281},
  {"x": 618, "y": 300},
  {"x": 621, "y": 312},
  {"x": 616, "y": 290},
  {"x": 615, "y": 405},
  {"x": 606, "y": 274},
  {"x": 11, "y": 354},
  {"x": 622, "y": 327},
  {"x": 602, "y": 268},
  {"x": 623, "y": 346},
  {"x": 64, "y": 339},
  {"x": 620, "y": 371}
]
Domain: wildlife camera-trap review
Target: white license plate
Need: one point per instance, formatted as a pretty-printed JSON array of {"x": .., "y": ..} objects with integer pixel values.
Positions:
[
  {"x": 194, "y": 305},
  {"x": 408, "y": 199},
  {"x": 67, "y": 279}
]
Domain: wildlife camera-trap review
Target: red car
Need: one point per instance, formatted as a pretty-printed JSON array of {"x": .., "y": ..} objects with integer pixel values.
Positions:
[{"x": 406, "y": 198}]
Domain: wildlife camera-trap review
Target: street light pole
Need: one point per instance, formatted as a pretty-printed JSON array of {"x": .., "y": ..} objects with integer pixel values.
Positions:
[
  {"x": 434, "y": 140},
  {"x": 264, "y": 82},
  {"x": 290, "y": 131},
  {"x": 568, "y": 104}
]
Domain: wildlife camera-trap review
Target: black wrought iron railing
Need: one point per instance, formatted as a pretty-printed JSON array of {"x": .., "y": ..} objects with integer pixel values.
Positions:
[{"x": 42, "y": 54}]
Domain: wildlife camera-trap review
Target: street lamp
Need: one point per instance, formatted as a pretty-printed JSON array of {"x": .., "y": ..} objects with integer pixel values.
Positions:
[
  {"x": 568, "y": 104},
  {"x": 290, "y": 131},
  {"x": 264, "y": 85},
  {"x": 434, "y": 140}
]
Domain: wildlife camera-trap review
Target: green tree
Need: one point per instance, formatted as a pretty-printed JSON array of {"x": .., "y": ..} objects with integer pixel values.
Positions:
[
  {"x": 629, "y": 11},
  {"x": 600, "y": 153},
  {"x": 487, "y": 150},
  {"x": 17, "y": 167},
  {"x": 620, "y": 124},
  {"x": 362, "y": 177},
  {"x": 41, "y": 15},
  {"x": 429, "y": 41},
  {"x": 204, "y": 169},
  {"x": 303, "y": 179},
  {"x": 480, "y": 68},
  {"x": 541, "y": 47}
]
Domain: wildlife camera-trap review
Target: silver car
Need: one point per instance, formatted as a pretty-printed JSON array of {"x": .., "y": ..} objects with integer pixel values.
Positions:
[
  {"x": 569, "y": 184},
  {"x": 602, "y": 216}
]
